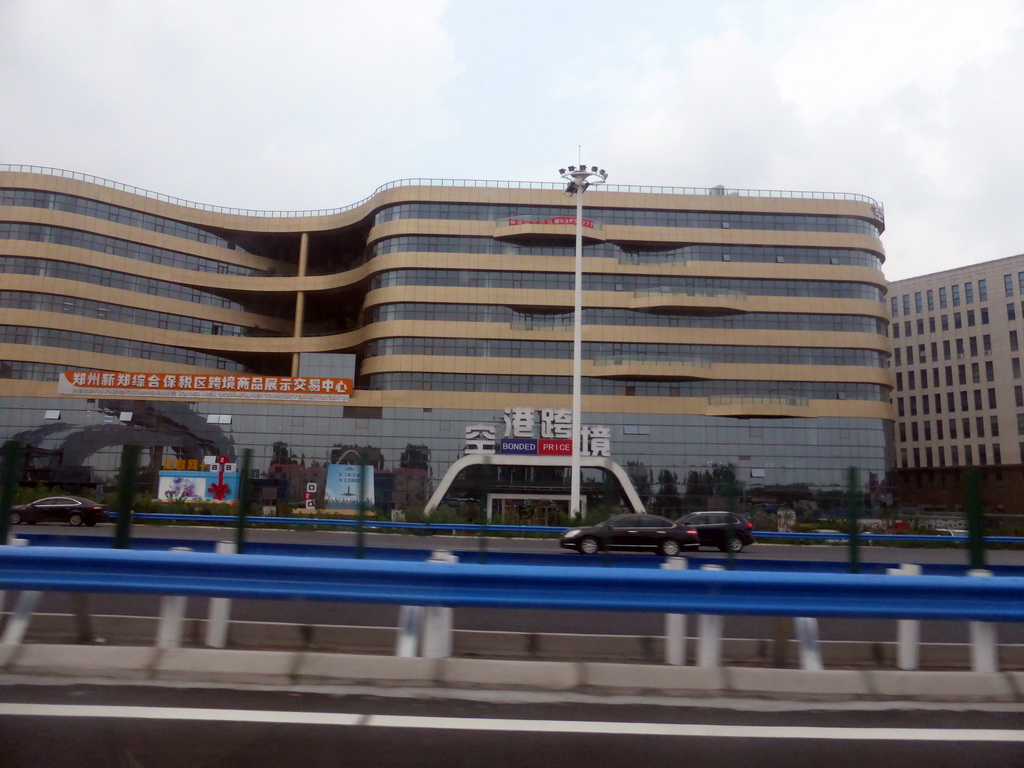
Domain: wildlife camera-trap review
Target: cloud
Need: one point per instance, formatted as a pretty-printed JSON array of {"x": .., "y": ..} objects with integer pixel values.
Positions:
[{"x": 254, "y": 103}]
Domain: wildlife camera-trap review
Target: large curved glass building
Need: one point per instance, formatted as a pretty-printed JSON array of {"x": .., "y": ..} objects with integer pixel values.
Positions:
[{"x": 720, "y": 327}]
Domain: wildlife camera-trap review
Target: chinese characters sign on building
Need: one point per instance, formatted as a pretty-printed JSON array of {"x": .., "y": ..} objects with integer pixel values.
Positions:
[
  {"x": 192, "y": 386},
  {"x": 522, "y": 428},
  {"x": 588, "y": 223}
]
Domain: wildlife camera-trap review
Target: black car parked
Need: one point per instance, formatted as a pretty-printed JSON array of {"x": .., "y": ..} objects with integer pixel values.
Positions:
[
  {"x": 713, "y": 529},
  {"x": 73, "y": 510},
  {"x": 631, "y": 533}
]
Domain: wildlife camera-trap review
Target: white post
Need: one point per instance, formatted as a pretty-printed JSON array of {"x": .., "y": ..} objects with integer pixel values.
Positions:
[
  {"x": 675, "y": 623},
  {"x": 984, "y": 651},
  {"x": 171, "y": 626},
  {"x": 17, "y": 624},
  {"x": 709, "y": 633},
  {"x": 908, "y": 631},
  {"x": 807, "y": 639},
  {"x": 437, "y": 619},
  {"x": 410, "y": 625},
  {"x": 220, "y": 607},
  {"x": 172, "y": 621}
]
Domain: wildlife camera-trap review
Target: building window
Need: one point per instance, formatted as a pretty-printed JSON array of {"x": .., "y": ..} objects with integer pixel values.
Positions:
[
  {"x": 895, "y": 330},
  {"x": 911, "y": 381},
  {"x": 927, "y": 430},
  {"x": 913, "y": 405},
  {"x": 949, "y": 375},
  {"x": 955, "y": 293},
  {"x": 969, "y": 292},
  {"x": 974, "y": 345},
  {"x": 928, "y": 462},
  {"x": 942, "y": 298},
  {"x": 990, "y": 371},
  {"x": 961, "y": 372},
  {"x": 968, "y": 455},
  {"x": 918, "y": 302},
  {"x": 900, "y": 409},
  {"x": 938, "y": 430},
  {"x": 954, "y": 455},
  {"x": 906, "y": 328},
  {"x": 920, "y": 326},
  {"x": 982, "y": 290},
  {"x": 910, "y": 355},
  {"x": 952, "y": 429},
  {"x": 946, "y": 355},
  {"x": 1015, "y": 367},
  {"x": 906, "y": 304},
  {"x": 898, "y": 357},
  {"x": 950, "y": 402},
  {"x": 958, "y": 322},
  {"x": 942, "y": 455},
  {"x": 997, "y": 456},
  {"x": 903, "y": 431},
  {"x": 993, "y": 425},
  {"x": 970, "y": 318},
  {"x": 979, "y": 426},
  {"x": 1013, "y": 341},
  {"x": 1018, "y": 396},
  {"x": 986, "y": 343},
  {"x": 1020, "y": 424},
  {"x": 938, "y": 403},
  {"x": 984, "y": 315},
  {"x": 963, "y": 402},
  {"x": 917, "y": 457},
  {"x": 975, "y": 373},
  {"x": 903, "y": 456},
  {"x": 931, "y": 300},
  {"x": 977, "y": 400},
  {"x": 925, "y": 407},
  {"x": 894, "y": 305},
  {"x": 914, "y": 435},
  {"x": 992, "y": 398},
  {"x": 1008, "y": 285},
  {"x": 1011, "y": 311},
  {"x": 899, "y": 382},
  {"x": 966, "y": 423}
]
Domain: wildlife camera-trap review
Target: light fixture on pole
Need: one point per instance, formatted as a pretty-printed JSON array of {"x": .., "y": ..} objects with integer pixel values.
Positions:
[{"x": 578, "y": 178}]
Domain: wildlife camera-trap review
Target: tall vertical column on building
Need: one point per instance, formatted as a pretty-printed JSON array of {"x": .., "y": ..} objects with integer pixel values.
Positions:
[{"x": 300, "y": 298}]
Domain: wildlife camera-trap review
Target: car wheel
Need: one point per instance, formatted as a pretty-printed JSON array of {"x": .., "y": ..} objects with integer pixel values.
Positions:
[
  {"x": 669, "y": 548},
  {"x": 589, "y": 546},
  {"x": 75, "y": 518},
  {"x": 15, "y": 518},
  {"x": 736, "y": 545}
]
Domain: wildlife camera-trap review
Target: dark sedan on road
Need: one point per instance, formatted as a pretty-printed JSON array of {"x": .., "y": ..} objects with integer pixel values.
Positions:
[
  {"x": 73, "y": 510},
  {"x": 631, "y": 533},
  {"x": 713, "y": 529}
]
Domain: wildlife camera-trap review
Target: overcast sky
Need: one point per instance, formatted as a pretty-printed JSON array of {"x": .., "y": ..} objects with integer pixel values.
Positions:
[{"x": 315, "y": 103}]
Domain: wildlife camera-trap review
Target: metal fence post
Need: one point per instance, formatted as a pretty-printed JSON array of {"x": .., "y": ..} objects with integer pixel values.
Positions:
[
  {"x": 220, "y": 608},
  {"x": 8, "y": 484},
  {"x": 244, "y": 500},
  {"x": 709, "y": 633},
  {"x": 908, "y": 631},
  {"x": 984, "y": 650},
  {"x": 807, "y": 638},
  {"x": 853, "y": 511},
  {"x": 437, "y": 619},
  {"x": 675, "y": 623},
  {"x": 126, "y": 485}
]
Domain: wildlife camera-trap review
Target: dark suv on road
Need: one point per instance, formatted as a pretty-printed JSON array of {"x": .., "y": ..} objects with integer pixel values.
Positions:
[{"x": 713, "y": 529}]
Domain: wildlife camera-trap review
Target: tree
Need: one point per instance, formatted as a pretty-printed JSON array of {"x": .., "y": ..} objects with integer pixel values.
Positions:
[
  {"x": 668, "y": 500},
  {"x": 641, "y": 476}
]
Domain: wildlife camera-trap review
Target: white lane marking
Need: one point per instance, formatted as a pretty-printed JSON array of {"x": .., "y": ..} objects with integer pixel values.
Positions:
[{"x": 507, "y": 725}]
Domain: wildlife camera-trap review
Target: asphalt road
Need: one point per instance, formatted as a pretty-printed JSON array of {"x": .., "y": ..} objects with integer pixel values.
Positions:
[{"x": 81, "y": 726}]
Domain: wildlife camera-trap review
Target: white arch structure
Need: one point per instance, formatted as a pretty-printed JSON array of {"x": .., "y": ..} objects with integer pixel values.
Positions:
[{"x": 513, "y": 460}]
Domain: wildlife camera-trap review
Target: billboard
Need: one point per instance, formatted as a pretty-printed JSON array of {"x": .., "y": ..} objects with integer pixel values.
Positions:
[
  {"x": 342, "y": 488},
  {"x": 198, "y": 486},
  {"x": 193, "y": 387}
]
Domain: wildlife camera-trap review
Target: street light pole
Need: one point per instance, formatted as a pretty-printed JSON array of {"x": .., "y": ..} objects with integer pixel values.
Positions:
[{"x": 578, "y": 178}]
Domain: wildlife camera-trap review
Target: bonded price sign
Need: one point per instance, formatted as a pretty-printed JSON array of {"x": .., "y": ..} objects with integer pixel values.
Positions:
[
  {"x": 519, "y": 445},
  {"x": 194, "y": 387}
]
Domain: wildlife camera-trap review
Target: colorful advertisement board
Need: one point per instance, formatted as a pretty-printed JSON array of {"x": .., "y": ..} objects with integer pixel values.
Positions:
[{"x": 196, "y": 487}]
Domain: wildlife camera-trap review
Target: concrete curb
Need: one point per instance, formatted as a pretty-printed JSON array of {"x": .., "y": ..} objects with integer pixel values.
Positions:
[{"x": 292, "y": 668}]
